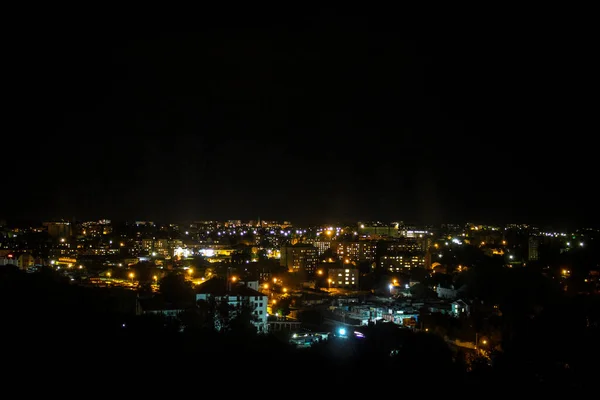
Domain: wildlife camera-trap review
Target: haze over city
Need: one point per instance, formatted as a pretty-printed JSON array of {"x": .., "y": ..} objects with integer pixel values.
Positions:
[{"x": 317, "y": 119}]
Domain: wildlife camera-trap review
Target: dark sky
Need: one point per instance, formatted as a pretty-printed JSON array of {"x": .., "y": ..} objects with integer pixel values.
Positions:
[{"x": 319, "y": 119}]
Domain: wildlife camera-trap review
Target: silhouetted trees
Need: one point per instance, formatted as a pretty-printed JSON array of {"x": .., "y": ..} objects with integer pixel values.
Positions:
[
  {"x": 548, "y": 336},
  {"x": 421, "y": 291},
  {"x": 176, "y": 289}
]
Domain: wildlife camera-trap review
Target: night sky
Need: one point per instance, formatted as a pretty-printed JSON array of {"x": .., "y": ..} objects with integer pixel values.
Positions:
[{"x": 313, "y": 120}]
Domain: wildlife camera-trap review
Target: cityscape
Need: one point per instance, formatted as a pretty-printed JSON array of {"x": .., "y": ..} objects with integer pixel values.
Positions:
[
  {"x": 311, "y": 205},
  {"x": 470, "y": 303}
]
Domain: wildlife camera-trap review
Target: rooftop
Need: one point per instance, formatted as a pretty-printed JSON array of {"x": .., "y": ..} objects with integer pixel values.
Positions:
[{"x": 221, "y": 287}]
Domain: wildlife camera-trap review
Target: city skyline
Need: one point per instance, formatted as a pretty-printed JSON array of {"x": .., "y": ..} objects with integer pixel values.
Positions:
[
  {"x": 318, "y": 120},
  {"x": 288, "y": 225}
]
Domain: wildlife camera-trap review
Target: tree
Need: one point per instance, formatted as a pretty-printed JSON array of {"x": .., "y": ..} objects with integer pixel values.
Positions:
[
  {"x": 222, "y": 314},
  {"x": 423, "y": 355},
  {"x": 192, "y": 319},
  {"x": 242, "y": 323},
  {"x": 421, "y": 291},
  {"x": 144, "y": 271},
  {"x": 145, "y": 289},
  {"x": 419, "y": 274},
  {"x": 206, "y": 312},
  {"x": 282, "y": 308},
  {"x": 176, "y": 289}
]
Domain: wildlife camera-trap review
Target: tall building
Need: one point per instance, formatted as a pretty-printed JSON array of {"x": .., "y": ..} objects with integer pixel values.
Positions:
[
  {"x": 355, "y": 251},
  {"x": 533, "y": 245},
  {"x": 300, "y": 258},
  {"x": 59, "y": 229},
  {"x": 346, "y": 278}
]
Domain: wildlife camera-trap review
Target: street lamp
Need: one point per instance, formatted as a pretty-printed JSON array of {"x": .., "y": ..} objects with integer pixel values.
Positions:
[{"x": 131, "y": 276}]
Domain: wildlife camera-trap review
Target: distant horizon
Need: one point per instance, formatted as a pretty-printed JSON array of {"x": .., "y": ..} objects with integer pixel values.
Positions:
[
  {"x": 31, "y": 221},
  {"x": 333, "y": 120}
]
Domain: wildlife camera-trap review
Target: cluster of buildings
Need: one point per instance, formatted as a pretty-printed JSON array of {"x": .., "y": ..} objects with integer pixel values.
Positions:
[
  {"x": 349, "y": 311},
  {"x": 332, "y": 258},
  {"x": 393, "y": 246}
]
